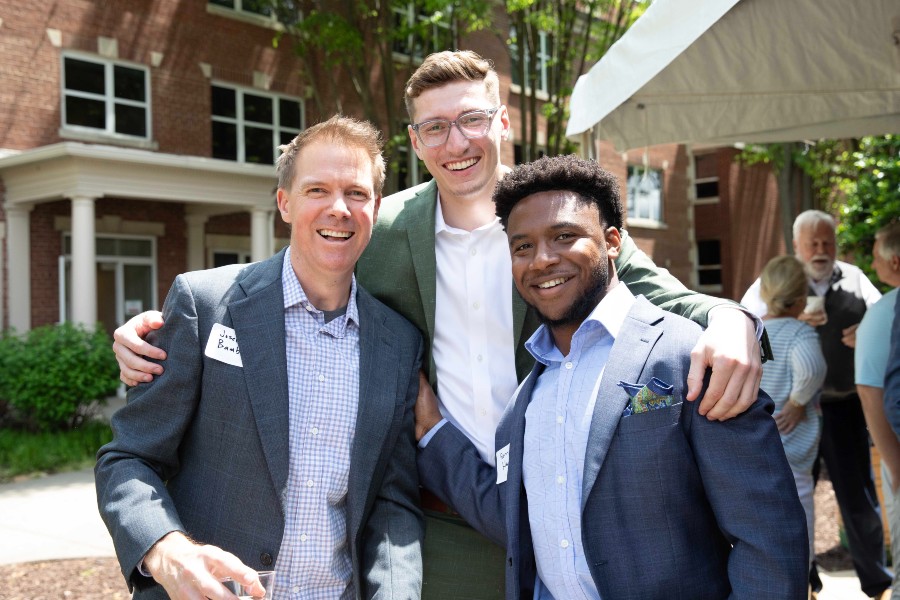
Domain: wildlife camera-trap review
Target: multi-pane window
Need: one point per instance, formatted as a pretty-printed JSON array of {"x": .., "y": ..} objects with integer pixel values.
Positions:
[
  {"x": 419, "y": 32},
  {"x": 248, "y": 126},
  {"x": 106, "y": 96},
  {"x": 254, "y": 7},
  {"x": 542, "y": 53},
  {"x": 644, "y": 188},
  {"x": 709, "y": 265},
  {"x": 706, "y": 183}
]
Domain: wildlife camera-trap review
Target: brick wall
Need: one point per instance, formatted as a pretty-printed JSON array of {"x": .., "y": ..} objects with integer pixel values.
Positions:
[
  {"x": 183, "y": 31},
  {"x": 667, "y": 245}
]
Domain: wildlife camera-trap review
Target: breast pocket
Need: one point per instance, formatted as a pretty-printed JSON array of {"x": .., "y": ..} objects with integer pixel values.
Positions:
[{"x": 653, "y": 419}]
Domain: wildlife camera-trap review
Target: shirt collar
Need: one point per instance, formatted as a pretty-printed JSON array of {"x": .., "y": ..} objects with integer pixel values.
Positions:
[
  {"x": 295, "y": 296},
  {"x": 607, "y": 317},
  {"x": 440, "y": 225}
]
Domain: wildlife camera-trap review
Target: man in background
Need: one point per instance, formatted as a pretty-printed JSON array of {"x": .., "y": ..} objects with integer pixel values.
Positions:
[{"x": 872, "y": 352}]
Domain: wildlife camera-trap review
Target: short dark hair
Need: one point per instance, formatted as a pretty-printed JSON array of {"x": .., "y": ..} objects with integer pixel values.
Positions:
[
  {"x": 561, "y": 173},
  {"x": 442, "y": 68}
]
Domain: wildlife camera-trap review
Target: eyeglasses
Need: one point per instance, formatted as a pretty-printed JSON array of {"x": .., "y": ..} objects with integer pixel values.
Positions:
[{"x": 472, "y": 125}]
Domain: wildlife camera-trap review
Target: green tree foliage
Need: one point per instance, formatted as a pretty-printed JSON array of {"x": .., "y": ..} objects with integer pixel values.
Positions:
[
  {"x": 856, "y": 180},
  {"x": 861, "y": 186},
  {"x": 578, "y": 33},
  {"x": 375, "y": 45},
  {"x": 51, "y": 377}
]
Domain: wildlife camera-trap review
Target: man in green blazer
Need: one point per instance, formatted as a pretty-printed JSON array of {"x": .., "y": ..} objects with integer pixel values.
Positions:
[
  {"x": 439, "y": 257},
  {"x": 449, "y": 99}
]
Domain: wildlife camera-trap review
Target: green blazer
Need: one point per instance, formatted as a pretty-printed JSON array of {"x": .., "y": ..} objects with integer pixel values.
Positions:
[{"x": 399, "y": 265}]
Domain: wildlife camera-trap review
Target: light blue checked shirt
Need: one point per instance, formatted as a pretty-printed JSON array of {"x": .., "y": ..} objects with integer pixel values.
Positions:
[
  {"x": 557, "y": 423},
  {"x": 323, "y": 388}
]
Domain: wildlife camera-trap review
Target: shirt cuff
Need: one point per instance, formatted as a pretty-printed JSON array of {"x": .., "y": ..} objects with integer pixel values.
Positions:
[
  {"x": 427, "y": 437},
  {"x": 142, "y": 570},
  {"x": 757, "y": 322}
]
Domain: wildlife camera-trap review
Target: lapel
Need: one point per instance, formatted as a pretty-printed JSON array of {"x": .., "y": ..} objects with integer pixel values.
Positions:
[
  {"x": 258, "y": 321},
  {"x": 515, "y": 489},
  {"x": 627, "y": 359},
  {"x": 378, "y": 395},
  {"x": 420, "y": 215}
]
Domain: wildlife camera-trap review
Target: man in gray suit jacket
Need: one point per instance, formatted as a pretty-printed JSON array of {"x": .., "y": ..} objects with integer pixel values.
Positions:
[
  {"x": 272, "y": 442},
  {"x": 607, "y": 485}
]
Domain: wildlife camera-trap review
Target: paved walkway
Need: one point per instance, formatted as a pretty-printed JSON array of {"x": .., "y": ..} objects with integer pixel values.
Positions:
[{"x": 56, "y": 517}]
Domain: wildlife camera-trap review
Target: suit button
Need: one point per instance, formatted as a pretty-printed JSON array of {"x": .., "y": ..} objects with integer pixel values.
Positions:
[
  {"x": 510, "y": 561},
  {"x": 266, "y": 559}
]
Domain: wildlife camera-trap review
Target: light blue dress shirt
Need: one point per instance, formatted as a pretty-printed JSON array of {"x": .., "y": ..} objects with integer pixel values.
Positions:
[
  {"x": 323, "y": 390},
  {"x": 557, "y": 424}
]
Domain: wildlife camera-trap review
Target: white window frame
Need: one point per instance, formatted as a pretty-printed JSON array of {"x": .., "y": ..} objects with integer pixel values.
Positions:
[
  {"x": 239, "y": 14},
  {"x": 120, "y": 262},
  {"x": 636, "y": 217},
  {"x": 243, "y": 254},
  {"x": 544, "y": 55},
  {"x": 708, "y": 200},
  {"x": 411, "y": 16},
  {"x": 240, "y": 122},
  {"x": 108, "y": 97}
]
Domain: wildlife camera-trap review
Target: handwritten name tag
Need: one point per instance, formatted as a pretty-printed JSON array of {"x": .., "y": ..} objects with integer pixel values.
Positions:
[
  {"x": 502, "y": 464},
  {"x": 222, "y": 345}
]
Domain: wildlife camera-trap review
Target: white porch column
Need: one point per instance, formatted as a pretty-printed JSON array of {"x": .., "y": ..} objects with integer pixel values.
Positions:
[
  {"x": 2, "y": 263},
  {"x": 18, "y": 256},
  {"x": 196, "y": 241},
  {"x": 261, "y": 237},
  {"x": 84, "y": 262}
]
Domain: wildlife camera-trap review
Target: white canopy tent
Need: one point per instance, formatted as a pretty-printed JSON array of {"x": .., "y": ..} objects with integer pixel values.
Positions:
[{"x": 726, "y": 71}]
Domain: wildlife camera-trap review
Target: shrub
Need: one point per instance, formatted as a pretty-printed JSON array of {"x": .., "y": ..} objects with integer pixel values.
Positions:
[{"x": 51, "y": 377}]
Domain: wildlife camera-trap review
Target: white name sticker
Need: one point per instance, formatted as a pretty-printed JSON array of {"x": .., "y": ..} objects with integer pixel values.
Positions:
[
  {"x": 222, "y": 345},
  {"x": 502, "y": 463}
]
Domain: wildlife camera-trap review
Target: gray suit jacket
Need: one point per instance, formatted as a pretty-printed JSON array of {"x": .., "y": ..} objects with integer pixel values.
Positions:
[
  {"x": 673, "y": 505},
  {"x": 204, "y": 447}
]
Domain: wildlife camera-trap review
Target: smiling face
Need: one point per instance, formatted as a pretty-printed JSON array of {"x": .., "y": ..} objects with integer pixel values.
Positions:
[
  {"x": 462, "y": 167},
  {"x": 561, "y": 257},
  {"x": 331, "y": 207},
  {"x": 815, "y": 247}
]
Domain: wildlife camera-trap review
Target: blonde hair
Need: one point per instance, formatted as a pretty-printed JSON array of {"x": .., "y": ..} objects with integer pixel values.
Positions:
[
  {"x": 445, "y": 67},
  {"x": 345, "y": 131},
  {"x": 783, "y": 284}
]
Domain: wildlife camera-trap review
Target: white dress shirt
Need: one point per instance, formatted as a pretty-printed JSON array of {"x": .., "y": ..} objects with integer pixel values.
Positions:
[{"x": 474, "y": 343}]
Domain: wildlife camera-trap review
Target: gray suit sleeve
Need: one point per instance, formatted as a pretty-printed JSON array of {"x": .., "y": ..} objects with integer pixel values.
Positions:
[
  {"x": 451, "y": 467},
  {"x": 392, "y": 555},
  {"x": 132, "y": 469}
]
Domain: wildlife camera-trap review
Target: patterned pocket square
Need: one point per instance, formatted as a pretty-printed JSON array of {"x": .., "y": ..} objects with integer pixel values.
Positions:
[{"x": 654, "y": 395}]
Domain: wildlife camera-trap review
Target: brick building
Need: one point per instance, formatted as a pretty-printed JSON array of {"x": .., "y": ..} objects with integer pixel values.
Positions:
[{"x": 137, "y": 141}]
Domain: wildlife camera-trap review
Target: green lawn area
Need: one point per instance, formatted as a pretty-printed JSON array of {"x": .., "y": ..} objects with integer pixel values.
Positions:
[{"x": 24, "y": 453}]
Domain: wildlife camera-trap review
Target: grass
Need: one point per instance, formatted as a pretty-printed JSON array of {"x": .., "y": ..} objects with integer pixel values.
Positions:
[{"x": 23, "y": 453}]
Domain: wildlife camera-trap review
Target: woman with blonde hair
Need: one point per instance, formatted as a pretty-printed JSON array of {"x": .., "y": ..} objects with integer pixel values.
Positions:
[{"x": 794, "y": 379}]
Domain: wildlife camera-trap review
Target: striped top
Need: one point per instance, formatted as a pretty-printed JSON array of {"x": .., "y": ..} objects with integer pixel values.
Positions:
[{"x": 797, "y": 372}]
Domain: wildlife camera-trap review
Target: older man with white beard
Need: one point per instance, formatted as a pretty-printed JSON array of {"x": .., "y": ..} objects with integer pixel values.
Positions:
[{"x": 847, "y": 294}]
